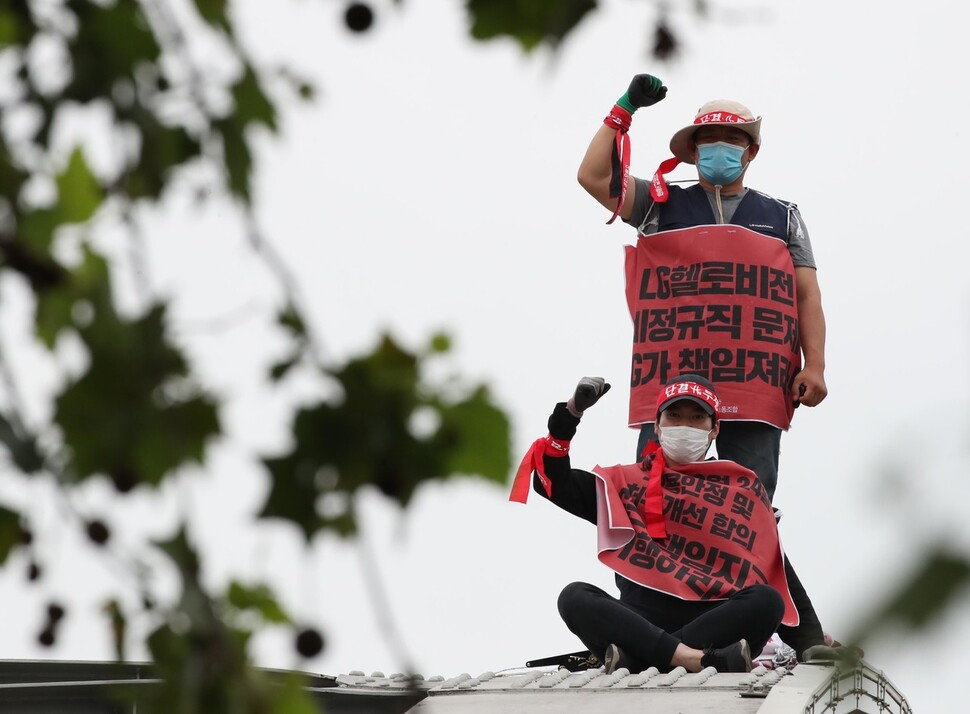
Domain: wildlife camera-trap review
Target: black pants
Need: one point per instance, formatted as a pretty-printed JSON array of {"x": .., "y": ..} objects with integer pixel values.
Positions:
[{"x": 648, "y": 635}]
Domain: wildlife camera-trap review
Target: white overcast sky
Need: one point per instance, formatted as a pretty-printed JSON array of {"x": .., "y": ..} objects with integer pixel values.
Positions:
[{"x": 432, "y": 186}]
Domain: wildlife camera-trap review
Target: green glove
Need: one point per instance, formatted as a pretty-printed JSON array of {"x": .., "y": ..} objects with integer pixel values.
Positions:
[{"x": 645, "y": 90}]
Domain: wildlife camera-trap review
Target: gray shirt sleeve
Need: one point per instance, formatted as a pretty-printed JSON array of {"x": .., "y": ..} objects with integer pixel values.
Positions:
[{"x": 799, "y": 244}]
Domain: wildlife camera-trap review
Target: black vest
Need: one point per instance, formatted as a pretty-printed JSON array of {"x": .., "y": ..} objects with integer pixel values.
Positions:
[{"x": 686, "y": 208}]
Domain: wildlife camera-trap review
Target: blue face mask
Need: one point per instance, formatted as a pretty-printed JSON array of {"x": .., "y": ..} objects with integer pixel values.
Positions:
[{"x": 720, "y": 162}]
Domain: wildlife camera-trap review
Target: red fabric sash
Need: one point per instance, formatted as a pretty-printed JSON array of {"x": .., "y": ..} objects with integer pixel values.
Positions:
[
  {"x": 653, "y": 501},
  {"x": 532, "y": 461},
  {"x": 658, "y": 186},
  {"x": 619, "y": 119},
  {"x": 721, "y": 532},
  {"x": 719, "y": 301}
]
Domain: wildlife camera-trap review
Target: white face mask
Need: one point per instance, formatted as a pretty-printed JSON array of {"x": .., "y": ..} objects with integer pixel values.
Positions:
[{"x": 684, "y": 444}]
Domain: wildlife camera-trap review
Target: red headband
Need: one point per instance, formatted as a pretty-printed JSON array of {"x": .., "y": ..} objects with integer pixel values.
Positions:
[
  {"x": 679, "y": 390},
  {"x": 722, "y": 117}
]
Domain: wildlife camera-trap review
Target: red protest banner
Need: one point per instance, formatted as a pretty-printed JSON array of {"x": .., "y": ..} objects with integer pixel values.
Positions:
[
  {"x": 733, "y": 321},
  {"x": 721, "y": 532}
]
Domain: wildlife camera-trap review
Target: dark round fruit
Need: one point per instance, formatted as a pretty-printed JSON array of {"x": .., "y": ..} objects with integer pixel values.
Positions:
[
  {"x": 359, "y": 17},
  {"x": 98, "y": 532},
  {"x": 55, "y": 612},
  {"x": 46, "y": 637},
  {"x": 309, "y": 642}
]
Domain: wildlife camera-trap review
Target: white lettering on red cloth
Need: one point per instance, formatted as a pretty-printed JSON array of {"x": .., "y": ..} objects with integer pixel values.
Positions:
[
  {"x": 721, "y": 532},
  {"x": 719, "y": 301},
  {"x": 721, "y": 118}
]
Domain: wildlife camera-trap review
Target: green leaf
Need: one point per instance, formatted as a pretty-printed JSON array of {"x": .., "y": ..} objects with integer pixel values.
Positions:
[
  {"x": 214, "y": 12},
  {"x": 9, "y": 28},
  {"x": 112, "y": 40},
  {"x": 365, "y": 438},
  {"x": 252, "y": 105},
  {"x": 56, "y": 310},
  {"x": 23, "y": 450},
  {"x": 291, "y": 319},
  {"x": 293, "y": 493},
  {"x": 292, "y": 698},
  {"x": 12, "y": 178},
  {"x": 528, "y": 22},
  {"x": 259, "y": 598},
  {"x": 37, "y": 228},
  {"x": 237, "y": 156},
  {"x": 440, "y": 343},
  {"x": 479, "y": 436},
  {"x": 182, "y": 554},
  {"x": 119, "y": 626},
  {"x": 17, "y": 25},
  {"x": 79, "y": 193},
  {"x": 130, "y": 412},
  {"x": 10, "y": 532},
  {"x": 280, "y": 369},
  {"x": 163, "y": 149},
  {"x": 937, "y": 580}
]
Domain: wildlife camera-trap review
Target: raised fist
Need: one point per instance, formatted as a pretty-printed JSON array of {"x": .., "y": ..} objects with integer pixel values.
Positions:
[
  {"x": 645, "y": 90},
  {"x": 587, "y": 393}
]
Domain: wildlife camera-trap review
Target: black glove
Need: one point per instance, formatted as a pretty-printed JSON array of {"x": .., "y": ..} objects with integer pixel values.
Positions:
[
  {"x": 645, "y": 90},
  {"x": 587, "y": 393}
]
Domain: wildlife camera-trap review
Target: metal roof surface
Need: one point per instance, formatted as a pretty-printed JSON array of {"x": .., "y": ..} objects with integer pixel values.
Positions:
[
  {"x": 53, "y": 687},
  {"x": 808, "y": 688}
]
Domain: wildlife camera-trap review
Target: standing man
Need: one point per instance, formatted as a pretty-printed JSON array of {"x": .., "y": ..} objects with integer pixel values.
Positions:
[{"x": 722, "y": 281}]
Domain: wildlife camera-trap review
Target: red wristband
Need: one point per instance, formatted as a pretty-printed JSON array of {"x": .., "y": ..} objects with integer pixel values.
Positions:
[
  {"x": 555, "y": 447},
  {"x": 619, "y": 119}
]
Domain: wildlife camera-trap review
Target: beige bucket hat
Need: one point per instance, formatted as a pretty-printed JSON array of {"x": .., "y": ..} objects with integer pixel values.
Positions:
[{"x": 723, "y": 112}]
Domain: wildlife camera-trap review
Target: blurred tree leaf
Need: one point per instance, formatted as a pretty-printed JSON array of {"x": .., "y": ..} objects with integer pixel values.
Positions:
[
  {"x": 528, "y": 22},
  {"x": 237, "y": 156},
  {"x": 119, "y": 626},
  {"x": 252, "y": 105},
  {"x": 78, "y": 191},
  {"x": 23, "y": 450},
  {"x": 281, "y": 368},
  {"x": 291, "y": 319},
  {"x": 259, "y": 598},
  {"x": 16, "y": 26},
  {"x": 202, "y": 661},
  {"x": 162, "y": 149},
  {"x": 292, "y": 698},
  {"x": 37, "y": 229},
  {"x": 112, "y": 41},
  {"x": 214, "y": 12},
  {"x": 130, "y": 412},
  {"x": 12, "y": 177},
  {"x": 59, "y": 307},
  {"x": 293, "y": 493},
  {"x": 11, "y": 533},
  {"x": 367, "y": 437},
  {"x": 931, "y": 587},
  {"x": 479, "y": 432}
]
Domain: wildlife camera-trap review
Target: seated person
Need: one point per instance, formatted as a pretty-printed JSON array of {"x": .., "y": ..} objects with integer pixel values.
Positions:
[{"x": 702, "y": 578}]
